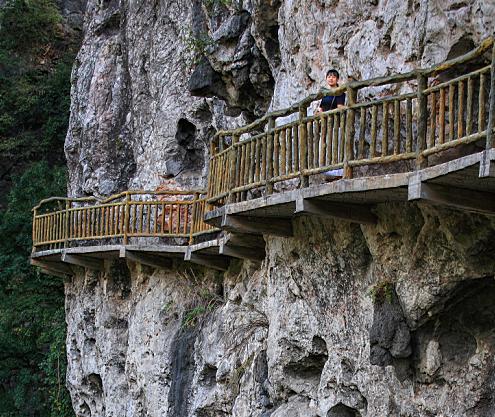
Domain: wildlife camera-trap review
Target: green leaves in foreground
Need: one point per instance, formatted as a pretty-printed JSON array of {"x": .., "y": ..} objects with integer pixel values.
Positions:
[{"x": 32, "y": 321}]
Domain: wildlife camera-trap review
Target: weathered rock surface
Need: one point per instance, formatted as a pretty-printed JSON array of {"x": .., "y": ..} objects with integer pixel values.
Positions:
[
  {"x": 134, "y": 119},
  {"x": 298, "y": 335}
]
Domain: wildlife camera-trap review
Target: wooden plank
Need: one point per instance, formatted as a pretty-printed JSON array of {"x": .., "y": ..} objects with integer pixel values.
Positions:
[
  {"x": 243, "y": 252},
  {"x": 269, "y": 155},
  {"x": 329, "y": 140},
  {"x": 84, "y": 261},
  {"x": 422, "y": 120},
  {"x": 469, "y": 106},
  {"x": 459, "y": 198},
  {"x": 385, "y": 129},
  {"x": 155, "y": 261},
  {"x": 396, "y": 127},
  {"x": 342, "y": 145},
  {"x": 362, "y": 133},
  {"x": 460, "y": 109},
  {"x": 355, "y": 213},
  {"x": 258, "y": 225},
  {"x": 310, "y": 144},
  {"x": 100, "y": 252},
  {"x": 53, "y": 273},
  {"x": 451, "y": 112},
  {"x": 481, "y": 103},
  {"x": 433, "y": 120}
]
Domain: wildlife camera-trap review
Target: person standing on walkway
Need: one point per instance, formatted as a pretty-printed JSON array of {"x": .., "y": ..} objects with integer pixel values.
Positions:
[{"x": 332, "y": 102}]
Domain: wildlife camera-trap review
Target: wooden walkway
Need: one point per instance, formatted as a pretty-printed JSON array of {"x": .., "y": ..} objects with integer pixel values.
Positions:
[
  {"x": 466, "y": 183},
  {"x": 436, "y": 143}
]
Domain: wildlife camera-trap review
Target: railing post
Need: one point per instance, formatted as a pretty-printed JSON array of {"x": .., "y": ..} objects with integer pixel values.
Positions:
[
  {"x": 303, "y": 146},
  {"x": 233, "y": 167},
  {"x": 126, "y": 217},
  {"x": 209, "y": 186},
  {"x": 35, "y": 213},
  {"x": 421, "y": 161},
  {"x": 269, "y": 156},
  {"x": 193, "y": 217},
  {"x": 491, "y": 111},
  {"x": 350, "y": 131},
  {"x": 67, "y": 223}
]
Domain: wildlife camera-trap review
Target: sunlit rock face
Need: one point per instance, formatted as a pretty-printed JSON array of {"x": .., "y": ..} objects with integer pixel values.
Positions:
[
  {"x": 339, "y": 321},
  {"x": 153, "y": 80}
]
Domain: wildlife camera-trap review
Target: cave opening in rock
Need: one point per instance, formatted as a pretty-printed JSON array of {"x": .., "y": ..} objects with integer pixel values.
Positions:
[
  {"x": 342, "y": 410},
  {"x": 192, "y": 156},
  {"x": 310, "y": 366}
]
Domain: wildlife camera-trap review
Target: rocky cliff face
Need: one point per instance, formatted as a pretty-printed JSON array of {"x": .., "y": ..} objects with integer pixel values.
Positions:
[
  {"x": 339, "y": 321},
  {"x": 153, "y": 79}
]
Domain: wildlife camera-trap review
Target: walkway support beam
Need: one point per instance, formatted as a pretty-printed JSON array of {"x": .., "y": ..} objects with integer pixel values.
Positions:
[
  {"x": 354, "y": 213},
  {"x": 458, "y": 198},
  {"x": 258, "y": 225}
]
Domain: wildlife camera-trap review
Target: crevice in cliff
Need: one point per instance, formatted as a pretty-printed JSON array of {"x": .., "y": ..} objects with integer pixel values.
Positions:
[
  {"x": 446, "y": 345},
  {"x": 233, "y": 67},
  {"x": 342, "y": 410},
  {"x": 390, "y": 339},
  {"x": 208, "y": 375},
  {"x": 192, "y": 156},
  {"x": 310, "y": 365},
  {"x": 182, "y": 371}
]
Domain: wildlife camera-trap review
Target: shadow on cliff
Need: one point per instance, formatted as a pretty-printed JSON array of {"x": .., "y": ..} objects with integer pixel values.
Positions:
[{"x": 182, "y": 370}]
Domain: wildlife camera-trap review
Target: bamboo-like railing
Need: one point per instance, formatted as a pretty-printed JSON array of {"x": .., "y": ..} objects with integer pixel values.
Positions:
[
  {"x": 59, "y": 222},
  {"x": 411, "y": 126}
]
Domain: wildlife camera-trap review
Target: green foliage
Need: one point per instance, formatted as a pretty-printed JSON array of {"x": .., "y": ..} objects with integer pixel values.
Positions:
[
  {"x": 382, "y": 292},
  {"x": 206, "y": 303},
  {"x": 32, "y": 324},
  {"x": 35, "y": 64},
  {"x": 29, "y": 25},
  {"x": 203, "y": 300},
  {"x": 198, "y": 46},
  {"x": 35, "y": 67}
]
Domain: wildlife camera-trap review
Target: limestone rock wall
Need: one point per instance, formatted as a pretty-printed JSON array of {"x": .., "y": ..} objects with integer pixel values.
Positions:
[
  {"x": 154, "y": 79},
  {"x": 340, "y": 320}
]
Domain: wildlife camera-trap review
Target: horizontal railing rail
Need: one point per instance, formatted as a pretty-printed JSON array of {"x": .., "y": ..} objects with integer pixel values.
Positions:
[
  {"x": 402, "y": 118},
  {"x": 404, "y": 126},
  {"x": 59, "y": 221}
]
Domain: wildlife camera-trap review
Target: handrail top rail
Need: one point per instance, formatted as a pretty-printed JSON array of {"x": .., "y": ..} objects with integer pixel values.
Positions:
[
  {"x": 116, "y": 196},
  {"x": 434, "y": 70}
]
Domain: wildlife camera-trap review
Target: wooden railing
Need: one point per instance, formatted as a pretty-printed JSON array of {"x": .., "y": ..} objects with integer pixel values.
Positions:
[
  {"x": 432, "y": 118},
  {"x": 58, "y": 222},
  {"x": 438, "y": 114}
]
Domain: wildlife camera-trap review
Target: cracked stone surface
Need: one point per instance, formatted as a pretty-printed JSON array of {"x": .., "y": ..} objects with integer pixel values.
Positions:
[
  {"x": 294, "y": 335},
  {"x": 297, "y": 334}
]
